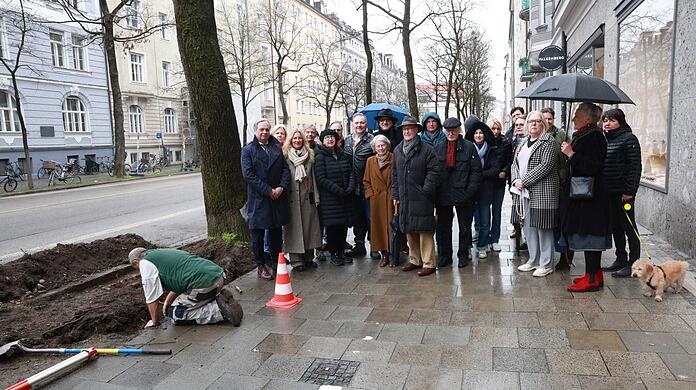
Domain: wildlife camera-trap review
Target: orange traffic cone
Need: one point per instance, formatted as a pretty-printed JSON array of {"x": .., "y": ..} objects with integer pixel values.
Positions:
[{"x": 284, "y": 298}]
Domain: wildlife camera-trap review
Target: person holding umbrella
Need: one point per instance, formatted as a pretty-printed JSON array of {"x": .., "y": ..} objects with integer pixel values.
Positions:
[
  {"x": 585, "y": 206},
  {"x": 386, "y": 126}
]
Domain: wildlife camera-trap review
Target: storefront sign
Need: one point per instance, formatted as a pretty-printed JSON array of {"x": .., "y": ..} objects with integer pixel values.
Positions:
[{"x": 551, "y": 58}]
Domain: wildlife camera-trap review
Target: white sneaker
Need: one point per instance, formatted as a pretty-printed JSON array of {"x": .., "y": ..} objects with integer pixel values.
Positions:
[
  {"x": 488, "y": 248},
  {"x": 526, "y": 267},
  {"x": 542, "y": 271},
  {"x": 496, "y": 247},
  {"x": 474, "y": 237},
  {"x": 482, "y": 254}
]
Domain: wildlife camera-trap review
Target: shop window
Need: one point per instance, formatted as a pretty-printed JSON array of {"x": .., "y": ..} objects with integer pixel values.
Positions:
[{"x": 645, "y": 63}]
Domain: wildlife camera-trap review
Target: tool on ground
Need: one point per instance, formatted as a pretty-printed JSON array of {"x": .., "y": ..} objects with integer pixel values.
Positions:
[
  {"x": 54, "y": 372},
  {"x": 10, "y": 349},
  {"x": 284, "y": 298}
]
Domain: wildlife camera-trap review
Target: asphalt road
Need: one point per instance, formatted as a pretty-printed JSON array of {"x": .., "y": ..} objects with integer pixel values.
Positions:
[{"x": 165, "y": 210}]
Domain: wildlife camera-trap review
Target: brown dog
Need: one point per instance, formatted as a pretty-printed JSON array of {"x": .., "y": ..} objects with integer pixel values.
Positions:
[{"x": 660, "y": 277}]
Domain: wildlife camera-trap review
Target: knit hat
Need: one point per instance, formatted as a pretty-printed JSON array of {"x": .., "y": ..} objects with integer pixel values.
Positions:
[
  {"x": 328, "y": 132},
  {"x": 470, "y": 120}
]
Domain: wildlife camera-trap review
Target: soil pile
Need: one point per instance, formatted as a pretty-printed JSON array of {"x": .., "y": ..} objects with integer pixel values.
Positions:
[{"x": 236, "y": 258}]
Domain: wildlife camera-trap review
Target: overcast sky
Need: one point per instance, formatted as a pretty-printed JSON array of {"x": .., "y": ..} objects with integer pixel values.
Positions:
[{"x": 492, "y": 17}]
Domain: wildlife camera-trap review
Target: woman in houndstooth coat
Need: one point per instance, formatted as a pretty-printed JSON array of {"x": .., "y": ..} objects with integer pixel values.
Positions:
[{"x": 535, "y": 187}]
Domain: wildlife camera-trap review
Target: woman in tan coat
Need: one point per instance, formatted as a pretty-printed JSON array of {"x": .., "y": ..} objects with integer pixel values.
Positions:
[
  {"x": 302, "y": 234},
  {"x": 378, "y": 184}
]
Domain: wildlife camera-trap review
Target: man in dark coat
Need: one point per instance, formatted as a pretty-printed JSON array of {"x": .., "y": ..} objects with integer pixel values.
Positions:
[
  {"x": 622, "y": 170},
  {"x": 415, "y": 178},
  {"x": 515, "y": 113},
  {"x": 358, "y": 148},
  {"x": 386, "y": 125},
  {"x": 460, "y": 178},
  {"x": 267, "y": 176}
]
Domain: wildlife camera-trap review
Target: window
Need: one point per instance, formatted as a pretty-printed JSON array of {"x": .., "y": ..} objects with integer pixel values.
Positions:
[
  {"x": 3, "y": 44},
  {"x": 133, "y": 158},
  {"x": 57, "y": 48},
  {"x": 164, "y": 30},
  {"x": 137, "y": 62},
  {"x": 177, "y": 155},
  {"x": 267, "y": 91},
  {"x": 169, "y": 120},
  {"x": 133, "y": 14},
  {"x": 74, "y": 115},
  {"x": 645, "y": 63},
  {"x": 166, "y": 74},
  {"x": 9, "y": 120},
  {"x": 78, "y": 51},
  {"x": 135, "y": 118}
]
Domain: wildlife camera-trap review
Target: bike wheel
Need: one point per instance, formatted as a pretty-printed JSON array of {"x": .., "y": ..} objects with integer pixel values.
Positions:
[
  {"x": 10, "y": 184},
  {"x": 156, "y": 168},
  {"x": 127, "y": 167},
  {"x": 73, "y": 180},
  {"x": 42, "y": 173}
]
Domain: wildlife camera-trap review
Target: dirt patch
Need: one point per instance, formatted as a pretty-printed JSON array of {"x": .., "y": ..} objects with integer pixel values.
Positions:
[{"x": 235, "y": 258}]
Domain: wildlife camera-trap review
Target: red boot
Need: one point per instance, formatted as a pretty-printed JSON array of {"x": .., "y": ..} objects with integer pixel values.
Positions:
[
  {"x": 577, "y": 280},
  {"x": 599, "y": 275},
  {"x": 586, "y": 284}
]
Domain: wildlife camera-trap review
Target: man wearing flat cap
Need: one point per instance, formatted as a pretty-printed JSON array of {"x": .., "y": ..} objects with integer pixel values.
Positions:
[
  {"x": 460, "y": 179},
  {"x": 386, "y": 126},
  {"x": 414, "y": 183}
]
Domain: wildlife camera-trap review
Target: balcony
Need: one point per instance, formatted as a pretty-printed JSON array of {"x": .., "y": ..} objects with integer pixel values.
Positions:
[{"x": 524, "y": 12}]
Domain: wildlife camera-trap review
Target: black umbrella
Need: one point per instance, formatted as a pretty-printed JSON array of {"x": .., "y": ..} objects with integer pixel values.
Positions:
[{"x": 575, "y": 87}]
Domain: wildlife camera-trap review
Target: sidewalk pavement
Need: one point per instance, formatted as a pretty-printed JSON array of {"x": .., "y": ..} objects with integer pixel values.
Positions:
[{"x": 486, "y": 326}]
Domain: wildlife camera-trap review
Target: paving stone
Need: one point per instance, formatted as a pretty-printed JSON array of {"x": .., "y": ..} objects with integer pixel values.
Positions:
[
  {"x": 280, "y": 384},
  {"x": 373, "y": 375},
  {"x": 453, "y": 303},
  {"x": 359, "y": 330},
  {"x": 682, "y": 366},
  {"x": 519, "y": 360},
  {"x": 426, "y": 378},
  {"x": 690, "y": 319},
  {"x": 660, "y": 323},
  {"x": 500, "y": 319},
  {"x": 145, "y": 374},
  {"x": 381, "y": 301},
  {"x": 324, "y": 347},
  {"x": 369, "y": 350},
  {"x": 89, "y": 385},
  {"x": 105, "y": 369},
  {"x": 350, "y": 313},
  {"x": 314, "y": 312},
  {"x": 417, "y": 354},
  {"x": 650, "y": 342},
  {"x": 534, "y": 304},
  {"x": 490, "y": 380},
  {"x": 281, "y": 343},
  {"x": 595, "y": 339},
  {"x": 577, "y": 305},
  {"x": 273, "y": 312},
  {"x": 419, "y": 302},
  {"x": 562, "y": 320},
  {"x": 672, "y": 304},
  {"x": 371, "y": 289},
  {"x": 533, "y": 381},
  {"x": 384, "y": 316},
  {"x": 206, "y": 334},
  {"x": 282, "y": 325},
  {"x": 661, "y": 384},
  {"x": 542, "y": 338},
  {"x": 430, "y": 317},
  {"x": 622, "y": 306},
  {"x": 283, "y": 367},
  {"x": 636, "y": 364},
  {"x": 565, "y": 361},
  {"x": 318, "y": 328},
  {"x": 625, "y": 291},
  {"x": 345, "y": 299},
  {"x": 610, "y": 321},
  {"x": 447, "y": 335},
  {"x": 493, "y": 304},
  {"x": 494, "y": 337},
  {"x": 315, "y": 298},
  {"x": 402, "y": 333},
  {"x": 188, "y": 377},
  {"x": 239, "y": 362},
  {"x": 599, "y": 382},
  {"x": 469, "y": 357},
  {"x": 687, "y": 341}
]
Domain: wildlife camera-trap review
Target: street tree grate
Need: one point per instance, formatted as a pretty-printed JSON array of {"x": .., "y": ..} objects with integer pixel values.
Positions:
[{"x": 330, "y": 372}]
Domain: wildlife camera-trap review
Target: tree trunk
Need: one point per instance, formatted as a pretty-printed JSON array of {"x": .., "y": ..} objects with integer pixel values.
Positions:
[
  {"x": 116, "y": 96},
  {"x": 368, "y": 55},
  {"x": 406, "y": 42},
  {"x": 281, "y": 93},
  {"x": 25, "y": 138},
  {"x": 218, "y": 141}
]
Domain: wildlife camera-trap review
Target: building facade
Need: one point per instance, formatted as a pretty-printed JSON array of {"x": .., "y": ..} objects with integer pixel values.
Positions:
[{"x": 62, "y": 85}]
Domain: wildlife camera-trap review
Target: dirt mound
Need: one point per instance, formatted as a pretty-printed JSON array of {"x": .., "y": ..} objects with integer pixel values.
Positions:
[
  {"x": 53, "y": 268},
  {"x": 235, "y": 258}
]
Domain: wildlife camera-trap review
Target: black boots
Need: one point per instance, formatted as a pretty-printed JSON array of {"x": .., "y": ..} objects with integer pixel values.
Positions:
[
  {"x": 615, "y": 266},
  {"x": 358, "y": 250},
  {"x": 565, "y": 261},
  {"x": 624, "y": 272}
]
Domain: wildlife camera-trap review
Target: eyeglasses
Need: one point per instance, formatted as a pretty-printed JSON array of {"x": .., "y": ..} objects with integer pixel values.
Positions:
[
  {"x": 519, "y": 124},
  {"x": 534, "y": 121}
]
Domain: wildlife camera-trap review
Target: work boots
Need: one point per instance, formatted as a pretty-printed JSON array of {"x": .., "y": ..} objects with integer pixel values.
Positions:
[
  {"x": 358, "y": 250},
  {"x": 231, "y": 310}
]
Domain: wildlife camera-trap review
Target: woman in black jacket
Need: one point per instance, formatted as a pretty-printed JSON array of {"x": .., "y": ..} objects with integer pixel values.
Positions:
[
  {"x": 622, "y": 170},
  {"x": 336, "y": 182},
  {"x": 586, "y": 223}
]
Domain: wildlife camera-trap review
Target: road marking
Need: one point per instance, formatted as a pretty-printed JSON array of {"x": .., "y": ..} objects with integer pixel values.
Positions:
[{"x": 13, "y": 256}]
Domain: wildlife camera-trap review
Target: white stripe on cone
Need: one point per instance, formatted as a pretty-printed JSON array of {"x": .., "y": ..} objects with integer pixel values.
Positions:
[
  {"x": 283, "y": 289},
  {"x": 282, "y": 269}
]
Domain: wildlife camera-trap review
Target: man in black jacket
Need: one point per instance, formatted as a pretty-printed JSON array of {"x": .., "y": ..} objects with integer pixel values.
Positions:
[
  {"x": 460, "y": 178},
  {"x": 386, "y": 125},
  {"x": 515, "y": 113},
  {"x": 622, "y": 169}
]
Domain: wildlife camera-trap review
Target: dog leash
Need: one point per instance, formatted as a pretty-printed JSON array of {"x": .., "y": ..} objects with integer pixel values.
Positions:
[{"x": 627, "y": 207}]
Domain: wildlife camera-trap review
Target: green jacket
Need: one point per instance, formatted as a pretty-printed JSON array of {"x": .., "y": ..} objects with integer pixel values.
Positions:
[{"x": 180, "y": 271}]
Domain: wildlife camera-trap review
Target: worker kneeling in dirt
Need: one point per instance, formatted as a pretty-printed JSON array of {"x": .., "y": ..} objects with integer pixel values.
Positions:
[{"x": 196, "y": 287}]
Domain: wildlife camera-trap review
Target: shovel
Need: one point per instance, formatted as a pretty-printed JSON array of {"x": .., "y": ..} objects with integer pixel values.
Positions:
[{"x": 10, "y": 349}]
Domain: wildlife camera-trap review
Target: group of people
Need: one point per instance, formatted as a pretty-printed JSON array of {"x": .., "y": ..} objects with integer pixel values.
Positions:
[{"x": 399, "y": 187}]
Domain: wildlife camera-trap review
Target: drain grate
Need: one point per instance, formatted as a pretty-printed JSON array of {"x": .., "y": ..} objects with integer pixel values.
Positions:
[{"x": 330, "y": 372}]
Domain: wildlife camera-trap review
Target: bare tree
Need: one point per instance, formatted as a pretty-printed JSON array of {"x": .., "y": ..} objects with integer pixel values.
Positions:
[
  {"x": 368, "y": 54},
  {"x": 285, "y": 35},
  {"x": 434, "y": 64},
  {"x": 124, "y": 22},
  {"x": 472, "y": 82},
  {"x": 26, "y": 28},
  {"x": 246, "y": 62},
  {"x": 353, "y": 93},
  {"x": 390, "y": 88}
]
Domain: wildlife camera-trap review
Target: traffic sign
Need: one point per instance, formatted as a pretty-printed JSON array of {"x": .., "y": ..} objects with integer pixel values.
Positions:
[{"x": 158, "y": 135}]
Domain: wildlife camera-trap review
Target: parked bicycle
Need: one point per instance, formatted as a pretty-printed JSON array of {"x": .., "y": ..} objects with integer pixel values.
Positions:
[
  {"x": 48, "y": 166},
  {"x": 68, "y": 174},
  {"x": 162, "y": 161},
  {"x": 10, "y": 184},
  {"x": 144, "y": 166},
  {"x": 15, "y": 170}
]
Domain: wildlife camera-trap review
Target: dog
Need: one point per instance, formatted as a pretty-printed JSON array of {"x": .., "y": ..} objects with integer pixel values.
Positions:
[{"x": 659, "y": 277}]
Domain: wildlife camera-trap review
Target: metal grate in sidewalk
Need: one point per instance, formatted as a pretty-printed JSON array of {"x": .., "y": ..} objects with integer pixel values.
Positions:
[{"x": 330, "y": 372}]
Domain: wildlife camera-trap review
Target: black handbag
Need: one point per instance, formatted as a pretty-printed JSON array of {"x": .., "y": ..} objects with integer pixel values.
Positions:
[{"x": 582, "y": 187}]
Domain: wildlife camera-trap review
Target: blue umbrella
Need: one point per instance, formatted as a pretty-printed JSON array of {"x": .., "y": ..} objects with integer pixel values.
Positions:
[{"x": 371, "y": 110}]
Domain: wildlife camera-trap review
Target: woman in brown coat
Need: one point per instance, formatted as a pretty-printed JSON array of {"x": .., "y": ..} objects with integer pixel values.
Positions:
[{"x": 378, "y": 184}]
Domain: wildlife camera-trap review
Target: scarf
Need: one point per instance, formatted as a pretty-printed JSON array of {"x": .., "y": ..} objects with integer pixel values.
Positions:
[
  {"x": 384, "y": 160},
  {"x": 451, "y": 153},
  {"x": 482, "y": 151},
  {"x": 408, "y": 145},
  {"x": 298, "y": 158}
]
